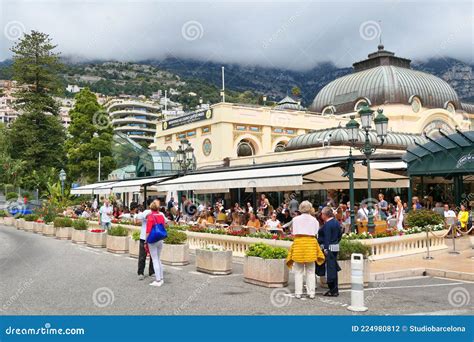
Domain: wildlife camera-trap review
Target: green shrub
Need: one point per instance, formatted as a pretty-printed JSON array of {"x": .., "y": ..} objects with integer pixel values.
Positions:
[
  {"x": 136, "y": 235},
  {"x": 58, "y": 222},
  {"x": 264, "y": 251},
  {"x": 67, "y": 221},
  {"x": 347, "y": 247},
  {"x": 80, "y": 224},
  {"x": 118, "y": 231},
  {"x": 31, "y": 217},
  {"x": 422, "y": 218},
  {"x": 11, "y": 196},
  {"x": 175, "y": 237},
  {"x": 3, "y": 213}
]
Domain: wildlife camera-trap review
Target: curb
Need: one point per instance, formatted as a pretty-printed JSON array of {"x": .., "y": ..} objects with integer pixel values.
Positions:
[{"x": 416, "y": 272}]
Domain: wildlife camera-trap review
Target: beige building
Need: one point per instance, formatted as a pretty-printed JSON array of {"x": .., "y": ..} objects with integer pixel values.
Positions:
[{"x": 232, "y": 134}]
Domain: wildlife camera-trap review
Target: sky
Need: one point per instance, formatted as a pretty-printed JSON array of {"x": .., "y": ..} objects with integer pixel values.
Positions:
[{"x": 286, "y": 34}]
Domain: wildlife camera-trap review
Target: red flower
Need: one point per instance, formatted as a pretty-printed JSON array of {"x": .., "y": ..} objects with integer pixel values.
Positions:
[{"x": 97, "y": 230}]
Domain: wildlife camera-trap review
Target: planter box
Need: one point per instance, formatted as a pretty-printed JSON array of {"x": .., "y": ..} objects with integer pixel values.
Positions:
[
  {"x": 175, "y": 255},
  {"x": 344, "y": 275},
  {"x": 265, "y": 272},
  {"x": 9, "y": 221},
  {"x": 2, "y": 220},
  {"x": 133, "y": 248},
  {"x": 96, "y": 240},
  {"x": 20, "y": 224},
  {"x": 214, "y": 262},
  {"x": 64, "y": 233},
  {"x": 28, "y": 226},
  {"x": 49, "y": 230},
  {"x": 78, "y": 236},
  {"x": 117, "y": 244},
  {"x": 38, "y": 227}
]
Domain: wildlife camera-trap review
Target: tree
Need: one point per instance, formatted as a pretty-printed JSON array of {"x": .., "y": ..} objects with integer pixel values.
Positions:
[
  {"x": 296, "y": 92},
  {"x": 88, "y": 119},
  {"x": 37, "y": 139},
  {"x": 36, "y": 68}
]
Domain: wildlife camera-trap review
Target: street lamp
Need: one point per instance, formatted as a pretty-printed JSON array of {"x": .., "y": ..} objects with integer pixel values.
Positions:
[
  {"x": 96, "y": 135},
  {"x": 264, "y": 99},
  {"x": 62, "y": 178},
  {"x": 185, "y": 156},
  {"x": 381, "y": 125}
]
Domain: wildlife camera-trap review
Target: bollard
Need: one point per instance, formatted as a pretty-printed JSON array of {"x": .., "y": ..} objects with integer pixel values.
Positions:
[
  {"x": 428, "y": 256},
  {"x": 357, "y": 280}
]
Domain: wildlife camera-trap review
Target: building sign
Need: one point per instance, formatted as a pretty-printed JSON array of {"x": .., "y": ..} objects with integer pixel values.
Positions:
[
  {"x": 187, "y": 119},
  {"x": 465, "y": 159}
]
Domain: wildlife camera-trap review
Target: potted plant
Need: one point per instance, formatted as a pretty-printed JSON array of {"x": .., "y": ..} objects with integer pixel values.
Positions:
[
  {"x": 175, "y": 249},
  {"x": 134, "y": 244},
  {"x": 19, "y": 222},
  {"x": 117, "y": 240},
  {"x": 38, "y": 226},
  {"x": 79, "y": 230},
  {"x": 346, "y": 249},
  {"x": 29, "y": 222},
  {"x": 96, "y": 238},
  {"x": 266, "y": 266},
  {"x": 2, "y": 217},
  {"x": 214, "y": 259},
  {"x": 49, "y": 229},
  {"x": 8, "y": 220},
  {"x": 63, "y": 227}
]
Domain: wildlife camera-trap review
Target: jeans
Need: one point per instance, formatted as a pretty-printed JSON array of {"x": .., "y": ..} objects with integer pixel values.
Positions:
[
  {"x": 106, "y": 225},
  {"x": 142, "y": 260},
  {"x": 155, "y": 251},
  {"x": 305, "y": 269}
]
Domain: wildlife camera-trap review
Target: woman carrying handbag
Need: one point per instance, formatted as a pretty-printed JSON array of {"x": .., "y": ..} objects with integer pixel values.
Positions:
[{"x": 155, "y": 233}]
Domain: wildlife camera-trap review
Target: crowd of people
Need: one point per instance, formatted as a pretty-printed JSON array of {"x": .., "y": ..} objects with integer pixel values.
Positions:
[{"x": 316, "y": 231}]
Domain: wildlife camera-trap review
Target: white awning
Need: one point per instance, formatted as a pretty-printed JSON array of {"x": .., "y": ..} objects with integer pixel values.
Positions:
[
  {"x": 210, "y": 191},
  {"x": 287, "y": 176},
  {"x": 397, "y": 165},
  {"x": 135, "y": 185},
  {"x": 95, "y": 188}
]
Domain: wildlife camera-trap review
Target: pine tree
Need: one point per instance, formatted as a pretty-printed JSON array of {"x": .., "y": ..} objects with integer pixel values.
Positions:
[
  {"x": 88, "y": 137},
  {"x": 36, "y": 68}
]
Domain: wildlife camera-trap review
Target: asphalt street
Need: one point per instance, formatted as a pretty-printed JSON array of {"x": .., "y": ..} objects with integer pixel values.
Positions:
[{"x": 44, "y": 276}]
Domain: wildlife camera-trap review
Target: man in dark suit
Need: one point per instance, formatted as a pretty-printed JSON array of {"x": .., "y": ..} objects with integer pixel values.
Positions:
[{"x": 328, "y": 237}]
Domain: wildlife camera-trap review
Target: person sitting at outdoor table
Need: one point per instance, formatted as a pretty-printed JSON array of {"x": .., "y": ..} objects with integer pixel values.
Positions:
[
  {"x": 235, "y": 219},
  {"x": 222, "y": 216},
  {"x": 363, "y": 213},
  {"x": 284, "y": 216},
  {"x": 210, "y": 217},
  {"x": 463, "y": 217},
  {"x": 249, "y": 208},
  {"x": 253, "y": 221},
  {"x": 202, "y": 220},
  {"x": 305, "y": 250},
  {"x": 273, "y": 225}
]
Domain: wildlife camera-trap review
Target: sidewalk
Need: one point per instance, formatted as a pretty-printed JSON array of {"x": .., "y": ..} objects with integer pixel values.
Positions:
[{"x": 446, "y": 265}]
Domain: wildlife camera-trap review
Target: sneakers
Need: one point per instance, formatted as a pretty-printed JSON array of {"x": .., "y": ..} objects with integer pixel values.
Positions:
[
  {"x": 141, "y": 277},
  {"x": 157, "y": 283}
]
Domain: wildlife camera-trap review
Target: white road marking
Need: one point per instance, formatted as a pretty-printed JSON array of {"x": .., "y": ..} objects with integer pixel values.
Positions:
[
  {"x": 406, "y": 287},
  {"x": 442, "y": 312}
]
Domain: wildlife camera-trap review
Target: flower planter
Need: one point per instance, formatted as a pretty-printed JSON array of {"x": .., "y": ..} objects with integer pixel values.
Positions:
[
  {"x": 20, "y": 224},
  {"x": 344, "y": 275},
  {"x": 265, "y": 272},
  {"x": 78, "y": 236},
  {"x": 2, "y": 221},
  {"x": 64, "y": 233},
  {"x": 133, "y": 248},
  {"x": 175, "y": 255},
  {"x": 214, "y": 262},
  {"x": 49, "y": 230},
  {"x": 28, "y": 226},
  {"x": 117, "y": 244},
  {"x": 9, "y": 221},
  {"x": 38, "y": 227},
  {"x": 96, "y": 240}
]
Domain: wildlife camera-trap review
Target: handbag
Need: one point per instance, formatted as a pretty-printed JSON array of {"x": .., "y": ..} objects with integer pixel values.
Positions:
[{"x": 157, "y": 233}]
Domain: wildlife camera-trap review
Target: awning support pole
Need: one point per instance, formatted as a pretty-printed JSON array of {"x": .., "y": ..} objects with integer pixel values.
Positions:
[
  {"x": 144, "y": 197},
  {"x": 350, "y": 171}
]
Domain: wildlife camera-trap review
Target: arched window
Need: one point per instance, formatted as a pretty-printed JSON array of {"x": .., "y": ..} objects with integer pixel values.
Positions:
[
  {"x": 329, "y": 110},
  {"x": 360, "y": 102},
  {"x": 280, "y": 147},
  {"x": 415, "y": 103},
  {"x": 245, "y": 148}
]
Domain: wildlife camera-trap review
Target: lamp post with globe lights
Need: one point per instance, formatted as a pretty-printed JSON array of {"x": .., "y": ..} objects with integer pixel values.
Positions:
[{"x": 368, "y": 148}]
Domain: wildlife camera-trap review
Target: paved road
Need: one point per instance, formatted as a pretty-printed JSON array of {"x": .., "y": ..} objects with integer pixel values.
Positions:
[{"x": 45, "y": 276}]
